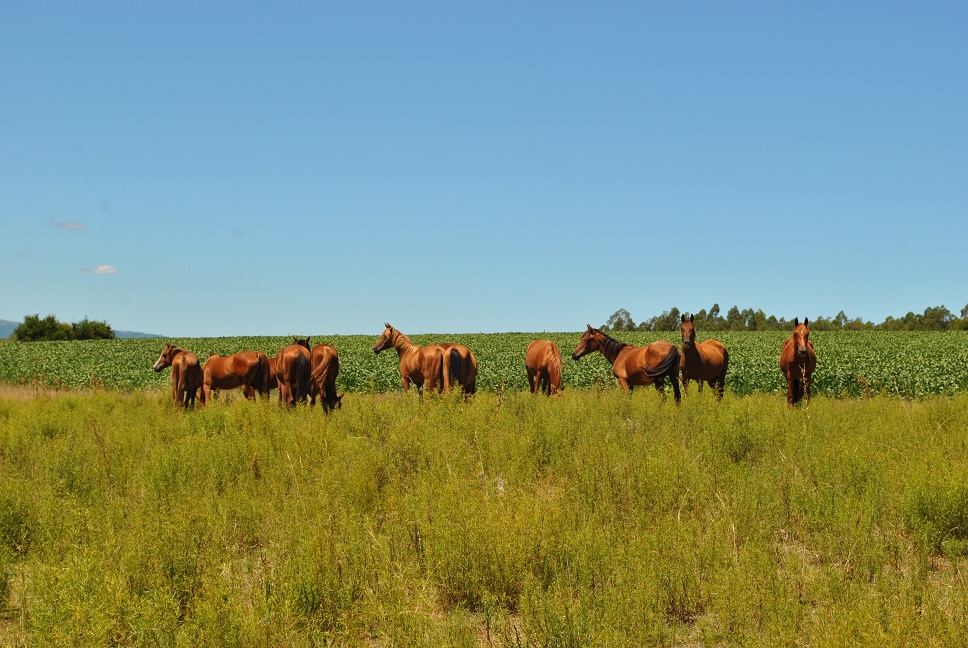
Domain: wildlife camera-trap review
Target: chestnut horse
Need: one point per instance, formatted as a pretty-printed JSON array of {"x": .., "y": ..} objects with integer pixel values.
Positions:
[
  {"x": 543, "y": 362},
  {"x": 324, "y": 366},
  {"x": 421, "y": 366},
  {"x": 798, "y": 362},
  {"x": 460, "y": 366},
  {"x": 292, "y": 372},
  {"x": 702, "y": 361},
  {"x": 186, "y": 374},
  {"x": 245, "y": 369},
  {"x": 632, "y": 365}
]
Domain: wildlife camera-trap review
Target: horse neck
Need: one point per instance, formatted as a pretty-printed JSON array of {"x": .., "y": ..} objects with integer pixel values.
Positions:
[
  {"x": 402, "y": 344},
  {"x": 610, "y": 348}
]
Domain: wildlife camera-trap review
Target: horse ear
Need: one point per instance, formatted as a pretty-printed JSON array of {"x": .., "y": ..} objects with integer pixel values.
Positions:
[
  {"x": 387, "y": 324},
  {"x": 589, "y": 327},
  {"x": 805, "y": 321},
  {"x": 692, "y": 318},
  {"x": 796, "y": 321},
  {"x": 683, "y": 318}
]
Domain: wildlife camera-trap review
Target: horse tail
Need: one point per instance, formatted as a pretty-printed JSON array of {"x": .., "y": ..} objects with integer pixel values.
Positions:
[
  {"x": 669, "y": 365},
  {"x": 554, "y": 372},
  {"x": 454, "y": 367},
  {"x": 261, "y": 379}
]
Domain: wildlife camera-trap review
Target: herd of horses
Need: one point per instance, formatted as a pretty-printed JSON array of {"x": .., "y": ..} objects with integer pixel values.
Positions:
[{"x": 300, "y": 372}]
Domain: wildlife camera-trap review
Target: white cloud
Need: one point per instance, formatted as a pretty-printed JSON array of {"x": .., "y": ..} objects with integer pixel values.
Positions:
[
  {"x": 69, "y": 225},
  {"x": 101, "y": 269}
]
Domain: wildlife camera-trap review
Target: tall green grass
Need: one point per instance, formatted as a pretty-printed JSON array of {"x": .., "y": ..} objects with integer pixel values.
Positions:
[{"x": 592, "y": 518}]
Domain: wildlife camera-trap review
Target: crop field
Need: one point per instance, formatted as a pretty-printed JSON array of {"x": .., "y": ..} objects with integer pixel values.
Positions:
[{"x": 912, "y": 365}]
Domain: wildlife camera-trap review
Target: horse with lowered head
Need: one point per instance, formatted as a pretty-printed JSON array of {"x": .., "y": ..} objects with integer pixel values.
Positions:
[
  {"x": 798, "y": 362},
  {"x": 293, "y": 371},
  {"x": 245, "y": 369},
  {"x": 186, "y": 374},
  {"x": 633, "y": 365},
  {"x": 324, "y": 367},
  {"x": 702, "y": 361},
  {"x": 543, "y": 363},
  {"x": 422, "y": 366}
]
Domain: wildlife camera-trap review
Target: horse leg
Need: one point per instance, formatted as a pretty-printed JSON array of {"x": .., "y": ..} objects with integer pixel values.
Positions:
[
  {"x": 675, "y": 387},
  {"x": 532, "y": 382}
]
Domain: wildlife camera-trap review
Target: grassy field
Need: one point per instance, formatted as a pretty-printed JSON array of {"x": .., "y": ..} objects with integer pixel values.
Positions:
[
  {"x": 849, "y": 363},
  {"x": 592, "y": 518}
]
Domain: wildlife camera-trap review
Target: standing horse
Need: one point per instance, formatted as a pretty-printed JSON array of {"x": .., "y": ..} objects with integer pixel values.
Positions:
[
  {"x": 421, "y": 366},
  {"x": 632, "y": 365},
  {"x": 245, "y": 369},
  {"x": 702, "y": 361},
  {"x": 460, "y": 367},
  {"x": 798, "y": 362},
  {"x": 186, "y": 374},
  {"x": 324, "y": 367},
  {"x": 292, "y": 372},
  {"x": 543, "y": 362}
]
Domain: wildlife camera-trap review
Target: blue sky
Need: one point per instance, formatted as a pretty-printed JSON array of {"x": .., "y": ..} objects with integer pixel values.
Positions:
[{"x": 207, "y": 169}]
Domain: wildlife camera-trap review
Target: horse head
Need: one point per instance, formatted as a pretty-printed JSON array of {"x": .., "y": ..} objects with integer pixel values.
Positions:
[
  {"x": 590, "y": 342},
  {"x": 303, "y": 342},
  {"x": 167, "y": 355},
  {"x": 385, "y": 341},
  {"x": 688, "y": 331},
  {"x": 801, "y": 336}
]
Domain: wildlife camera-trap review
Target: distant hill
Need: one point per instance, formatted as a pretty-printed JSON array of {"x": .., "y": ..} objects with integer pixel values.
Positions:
[{"x": 7, "y": 327}]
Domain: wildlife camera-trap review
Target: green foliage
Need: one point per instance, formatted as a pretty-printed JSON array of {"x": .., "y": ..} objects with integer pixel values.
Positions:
[
  {"x": 592, "y": 518},
  {"x": 35, "y": 329},
  {"x": 861, "y": 363}
]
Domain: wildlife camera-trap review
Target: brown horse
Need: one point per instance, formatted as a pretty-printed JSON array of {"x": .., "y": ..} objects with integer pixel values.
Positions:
[
  {"x": 293, "y": 371},
  {"x": 186, "y": 373},
  {"x": 798, "y": 362},
  {"x": 245, "y": 369},
  {"x": 702, "y": 361},
  {"x": 421, "y": 366},
  {"x": 543, "y": 362},
  {"x": 324, "y": 366},
  {"x": 460, "y": 367},
  {"x": 267, "y": 379},
  {"x": 632, "y": 365}
]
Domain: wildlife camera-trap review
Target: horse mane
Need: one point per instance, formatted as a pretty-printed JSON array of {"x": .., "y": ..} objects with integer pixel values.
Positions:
[{"x": 611, "y": 345}]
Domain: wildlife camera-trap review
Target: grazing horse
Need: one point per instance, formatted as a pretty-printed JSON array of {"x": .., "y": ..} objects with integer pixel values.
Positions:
[
  {"x": 421, "y": 366},
  {"x": 186, "y": 374},
  {"x": 632, "y": 365},
  {"x": 293, "y": 371},
  {"x": 798, "y": 362},
  {"x": 460, "y": 366},
  {"x": 324, "y": 366},
  {"x": 702, "y": 361},
  {"x": 245, "y": 369},
  {"x": 543, "y": 362}
]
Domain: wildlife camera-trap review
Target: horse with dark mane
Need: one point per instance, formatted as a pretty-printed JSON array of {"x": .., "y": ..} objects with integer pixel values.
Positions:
[
  {"x": 186, "y": 374},
  {"x": 245, "y": 369},
  {"x": 324, "y": 367},
  {"x": 702, "y": 361},
  {"x": 422, "y": 366},
  {"x": 293, "y": 371},
  {"x": 460, "y": 367},
  {"x": 632, "y": 365},
  {"x": 798, "y": 362},
  {"x": 543, "y": 362}
]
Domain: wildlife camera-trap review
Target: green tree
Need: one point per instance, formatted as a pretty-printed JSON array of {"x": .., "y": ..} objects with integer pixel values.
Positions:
[
  {"x": 620, "y": 320},
  {"x": 88, "y": 330},
  {"x": 34, "y": 329}
]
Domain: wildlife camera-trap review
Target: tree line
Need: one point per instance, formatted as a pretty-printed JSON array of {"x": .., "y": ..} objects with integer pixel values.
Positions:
[
  {"x": 934, "y": 318},
  {"x": 35, "y": 329}
]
